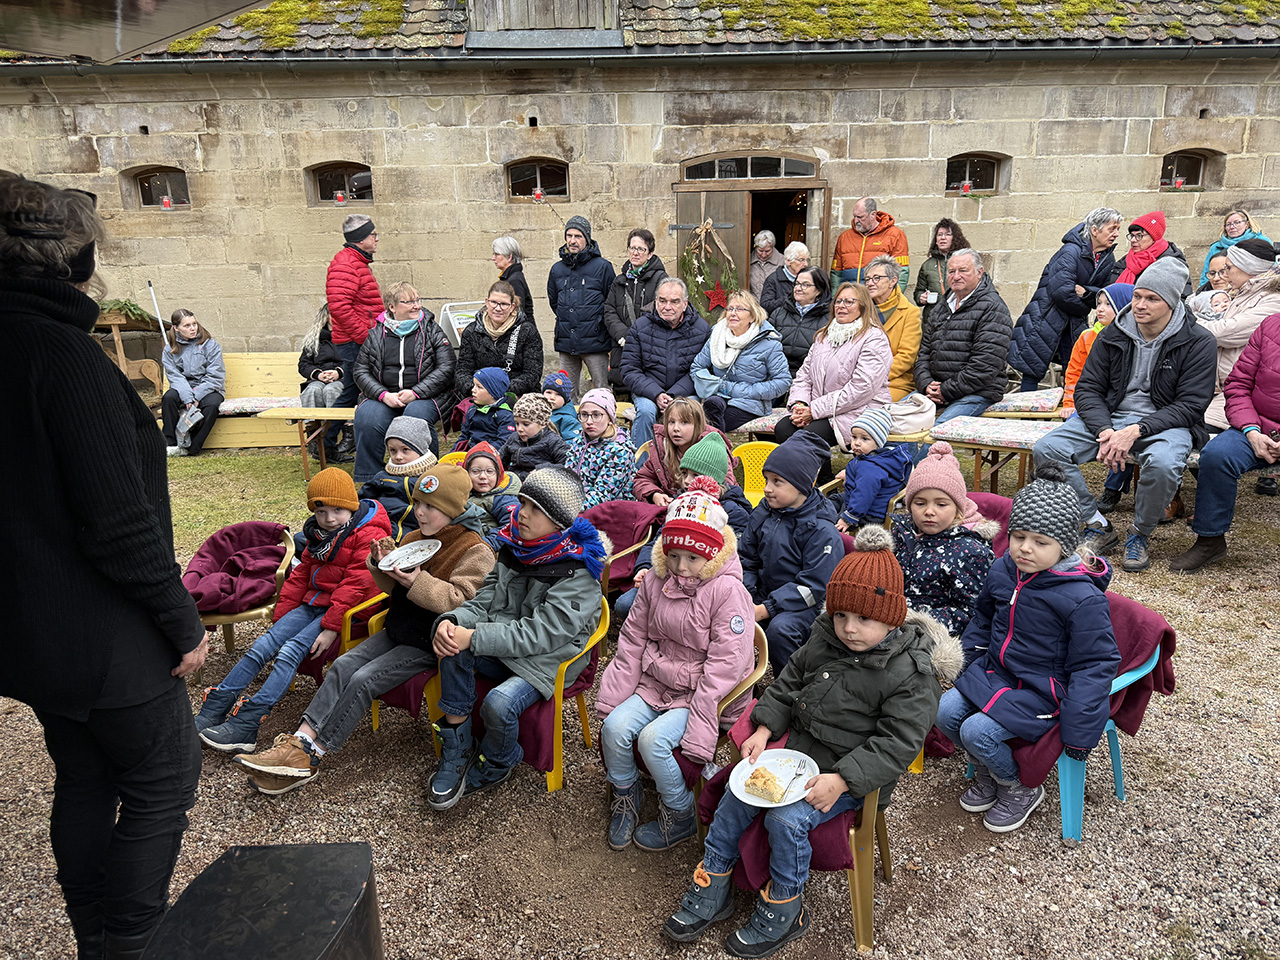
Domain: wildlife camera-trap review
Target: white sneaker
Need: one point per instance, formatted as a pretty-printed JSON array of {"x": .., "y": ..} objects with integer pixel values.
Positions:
[{"x": 175, "y": 451}]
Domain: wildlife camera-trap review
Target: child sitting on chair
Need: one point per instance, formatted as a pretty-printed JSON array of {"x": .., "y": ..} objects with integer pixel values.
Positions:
[
  {"x": 493, "y": 489},
  {"x": 489, "y": 419},
  {"x": 537, "y": 609},
  {"x": 1040, "y": 652},
  {"x": 874, "y": 472},
  {"x": 402, "y": 649},
  {"x": 558, "y": 390},
  {"x": 943, "y": 542},
  {"x": 686, "y": 644},
  {"x": 858, "y": 698},
  {"x": 409, "y": 456},
  {"x": 602, "y": 455},
  {"x": 329, "y": 580},
  {"x": 535, "y": 444},
  {"x": 791, "y": 546}
]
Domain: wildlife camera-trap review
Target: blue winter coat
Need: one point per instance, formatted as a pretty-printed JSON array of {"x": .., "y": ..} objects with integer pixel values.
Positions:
[
  {"x": 758, "y": 375},
  {"x": 396, "y": 496},
  {"x": 1055, "y": 307},
  {"x": 943, "y": 572},
  {"x": 493, "y": 425},
  {"x": 565, "y": 420},
  {"x": 789, "y": 555},
  {"x": 1040, "y": 650},
  {"x": 656, "y": 358},
  {"x": 577, "y": 287},
  {"x": 871, "y": 481}
]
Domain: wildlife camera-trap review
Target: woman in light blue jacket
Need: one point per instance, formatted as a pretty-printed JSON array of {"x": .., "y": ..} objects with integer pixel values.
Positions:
[
  {"x": 1237, "y": 225},
  {"x": 741, "y": 368},
  {"x": 197, "y": 384}
]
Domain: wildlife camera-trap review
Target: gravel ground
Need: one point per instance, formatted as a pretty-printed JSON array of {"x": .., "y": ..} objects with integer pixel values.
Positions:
[{"x": 1187, "y": 867}]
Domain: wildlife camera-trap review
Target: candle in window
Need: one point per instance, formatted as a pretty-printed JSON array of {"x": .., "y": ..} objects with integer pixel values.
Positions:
[
  {"x": 166, "y": 203},
  {"x": 339, "y": 198},
  {"x": 966, "y": 186},
  {"x": 1179, "y": 182},
  {"x": 538, "y": 194}
]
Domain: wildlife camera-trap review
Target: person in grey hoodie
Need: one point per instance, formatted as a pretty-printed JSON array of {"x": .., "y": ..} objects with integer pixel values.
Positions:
[{"x": 1142, "y": 395}]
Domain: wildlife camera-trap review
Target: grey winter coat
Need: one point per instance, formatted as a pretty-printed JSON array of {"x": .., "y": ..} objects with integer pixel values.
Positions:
[{"x": 197, "y": 371}]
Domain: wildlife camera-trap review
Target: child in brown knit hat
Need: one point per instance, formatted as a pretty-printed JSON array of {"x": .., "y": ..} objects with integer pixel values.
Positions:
[
  {"x": 535, "y": 444},
  {"x": 858, "y": 679}
]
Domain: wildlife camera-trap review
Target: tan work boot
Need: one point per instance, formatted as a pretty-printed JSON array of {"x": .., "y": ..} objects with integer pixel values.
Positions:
[{"x": 289, "y": 756}]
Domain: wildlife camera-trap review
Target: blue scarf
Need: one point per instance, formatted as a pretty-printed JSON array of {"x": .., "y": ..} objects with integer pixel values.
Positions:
[
  {"x": 580, "y": 542},
  {"x": 404, "y": 328}
]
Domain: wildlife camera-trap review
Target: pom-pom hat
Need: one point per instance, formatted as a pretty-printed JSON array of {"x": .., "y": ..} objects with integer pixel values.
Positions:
[
  {"x": 869, "y": 581},
  {"x": 940, "y": 470},
  {"x": 560, "y": 383},
  {"x": 696, "y": 520}
]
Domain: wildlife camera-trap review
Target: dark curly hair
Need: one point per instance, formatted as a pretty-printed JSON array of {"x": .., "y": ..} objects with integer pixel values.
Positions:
[{"x": 958, "y": 240}]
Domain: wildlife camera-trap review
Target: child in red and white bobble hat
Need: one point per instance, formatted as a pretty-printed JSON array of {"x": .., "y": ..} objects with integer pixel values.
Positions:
[{"x": 687, "y": 642}]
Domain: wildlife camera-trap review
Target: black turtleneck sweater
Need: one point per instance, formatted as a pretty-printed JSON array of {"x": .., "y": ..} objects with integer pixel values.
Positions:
[{"x": 96, "y": 616}]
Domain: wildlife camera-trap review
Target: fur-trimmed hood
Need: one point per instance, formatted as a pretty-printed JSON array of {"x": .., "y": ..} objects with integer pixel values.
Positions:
[
  {"x": 947, "y": 656},
  {"x": 718, "y": 564}
]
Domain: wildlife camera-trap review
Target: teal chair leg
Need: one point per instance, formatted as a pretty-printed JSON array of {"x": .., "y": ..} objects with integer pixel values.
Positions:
[
  {"x": 1071, "y": 796},
  {"x": 1117, "y": 767}
]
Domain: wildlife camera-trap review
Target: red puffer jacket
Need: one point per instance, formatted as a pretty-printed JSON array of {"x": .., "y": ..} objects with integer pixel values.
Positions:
[
  {"x": 354, "y": 300},
  {"x": 344, "y": 581},
  {"x": 1253, "y": 386}
]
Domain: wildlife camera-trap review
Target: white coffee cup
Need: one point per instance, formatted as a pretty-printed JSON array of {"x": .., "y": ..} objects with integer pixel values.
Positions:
[{"x": 931, "y": 296}]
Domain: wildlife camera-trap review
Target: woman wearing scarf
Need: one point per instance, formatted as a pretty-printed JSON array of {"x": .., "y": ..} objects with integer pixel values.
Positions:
[
  {"x": 901, "y": 321},
  {"x": 1237, "y": 225},
  {"x": 502, "y": 335},
  {"x": 799, "y": 319},
  {"x": 1147, "y": 245},
  {"x": 741, "y": 368},
  {"x": 632, "y": 294},
  {"x": 405, "y": 368}
]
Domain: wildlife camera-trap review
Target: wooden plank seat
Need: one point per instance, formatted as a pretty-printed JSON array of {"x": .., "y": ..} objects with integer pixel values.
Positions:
[{"x": 256, "y": 382}]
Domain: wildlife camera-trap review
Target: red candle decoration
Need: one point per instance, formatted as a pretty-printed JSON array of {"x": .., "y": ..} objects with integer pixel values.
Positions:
[
  {"x": 1179, "y": 183},
  {"x": 339, "y": 199},
  {"x": 538, "y": 194},
  {"x": 166, "y": 203},
  {"x": 966, "y": 186}
]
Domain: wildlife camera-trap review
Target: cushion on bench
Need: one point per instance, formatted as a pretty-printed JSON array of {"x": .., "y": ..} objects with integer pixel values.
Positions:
[
  {"x": 1035, "y": 401},
  {"x": 764, "y": 424},
  {"x": 239, "y": 405},
  {"x": 1006, "y": 434}
]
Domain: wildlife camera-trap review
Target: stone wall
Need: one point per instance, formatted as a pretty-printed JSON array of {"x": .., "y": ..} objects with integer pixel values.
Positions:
[{"x": 250, "y": 255}]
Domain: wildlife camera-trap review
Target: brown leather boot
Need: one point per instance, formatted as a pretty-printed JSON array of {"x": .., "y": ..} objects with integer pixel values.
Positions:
[{"x": 1204, "y": 551}]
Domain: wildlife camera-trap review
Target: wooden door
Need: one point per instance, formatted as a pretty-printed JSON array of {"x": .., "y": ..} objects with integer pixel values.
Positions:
[{"x": 729, "y": 210}]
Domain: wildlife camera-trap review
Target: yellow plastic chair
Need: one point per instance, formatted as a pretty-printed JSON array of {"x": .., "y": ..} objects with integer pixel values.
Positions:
[
  {"x": 228, "y": 621},
  {"x": 753, "y": 455},
  {"x": 894, "y": 502},
  {"x": 645, "y": 451},
  {"x": 457, "y": 456},
  {"x": 625, "y": 412}
]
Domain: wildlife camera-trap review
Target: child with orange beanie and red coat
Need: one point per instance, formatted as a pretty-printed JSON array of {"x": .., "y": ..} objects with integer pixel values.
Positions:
[{"x": 329, "y": 579}]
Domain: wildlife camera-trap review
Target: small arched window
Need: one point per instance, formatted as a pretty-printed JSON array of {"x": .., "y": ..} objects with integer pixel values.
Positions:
[
  {"x": 340, "y": 181},
  {"x": 1192, "y": 170},
  {"x": 969, "y": 173},
  {"x": 161, "y": 187},
  {"x": 536, "y": 178}
]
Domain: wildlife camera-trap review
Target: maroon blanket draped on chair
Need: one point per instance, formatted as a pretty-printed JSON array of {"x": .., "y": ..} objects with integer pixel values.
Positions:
[{"x": 235, "y": 569}]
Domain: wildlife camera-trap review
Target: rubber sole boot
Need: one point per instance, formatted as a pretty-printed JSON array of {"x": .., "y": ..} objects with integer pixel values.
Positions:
[
  {"x": 981, "y": 795},
  {"x": 239, "y": 732},
  {"x": 484, "y": 775},
  {"x": 1136, "y": 557},
  {"x": 450, "y": 780},
  {"x": 1109, "y": 500},
  {"x": 215, "y": 707},
  {"x": 624, "y": 815},
  {"x": 774, "y": 924},
  {"x": 1204, "y": 551},
  {"x": 709, "y": 900},
  {"x": 1014, "y": 804},
  {"x": 671, "y": 827},
  {"x": 1267, "y": 487}
]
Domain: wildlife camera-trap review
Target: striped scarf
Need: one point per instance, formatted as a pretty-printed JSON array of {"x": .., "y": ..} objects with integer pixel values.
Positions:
[{"x": 580, "y": 542}]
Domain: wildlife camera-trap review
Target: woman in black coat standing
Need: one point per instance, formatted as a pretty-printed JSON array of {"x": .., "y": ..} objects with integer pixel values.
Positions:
[
  {"x": 510, "y": 263},
  {"x": 632, "y": 294},
  {"x": 100, "y": 631}
]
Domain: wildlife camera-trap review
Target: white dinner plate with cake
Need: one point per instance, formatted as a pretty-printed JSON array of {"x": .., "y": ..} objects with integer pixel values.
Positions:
[
  {"x": 410, "y": 555},
  {"x": 778, "y": 777}
]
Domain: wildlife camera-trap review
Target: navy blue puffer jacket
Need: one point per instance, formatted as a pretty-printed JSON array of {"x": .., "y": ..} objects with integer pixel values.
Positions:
[
  {"x": 577, "y": 288},
  {"x": 657, "y": 358},
  {"x": 1055, "y": 307}
]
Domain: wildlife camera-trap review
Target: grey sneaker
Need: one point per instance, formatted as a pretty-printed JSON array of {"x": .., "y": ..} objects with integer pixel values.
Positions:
[
  {"x": 981, "y": 795},
  {"x": 1135, "y": 552},
  {"x": 1013, "y": 805},
  {"x": 1100, "y": 537}
]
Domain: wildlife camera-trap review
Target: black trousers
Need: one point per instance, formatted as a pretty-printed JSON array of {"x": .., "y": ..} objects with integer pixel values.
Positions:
[
  {"x": 822, "y": 428},
  {"x": 172, "y": 407},
  {"x": 126, "y": 778},
  {"x": 724, "y": 417}
]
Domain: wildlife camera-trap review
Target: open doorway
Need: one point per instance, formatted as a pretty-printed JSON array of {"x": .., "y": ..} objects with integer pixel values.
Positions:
[{"x": 784, "y": 212}]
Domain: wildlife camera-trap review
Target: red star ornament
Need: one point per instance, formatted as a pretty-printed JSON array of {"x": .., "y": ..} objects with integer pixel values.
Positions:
[{"x": 716, "y": 297}]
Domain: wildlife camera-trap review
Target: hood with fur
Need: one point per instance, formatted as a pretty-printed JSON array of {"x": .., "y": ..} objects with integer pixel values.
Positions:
[{"x": 720, "y": 563}]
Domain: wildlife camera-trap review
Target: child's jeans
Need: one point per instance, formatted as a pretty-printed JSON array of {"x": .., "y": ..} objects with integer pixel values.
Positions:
[
  {"x": 501, "y": 708},
  {"x": 788, "y": 828},
  {"x": 287, "y": 642},
  {"x": 655, "y": 733},
  {"x": 984, "y": 739}
]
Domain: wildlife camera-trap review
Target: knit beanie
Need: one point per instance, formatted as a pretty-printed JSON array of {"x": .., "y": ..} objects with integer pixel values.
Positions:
[
  {"x": 798, "y": 459},
  {"x": 1120, "y": 295},
  {"x": 696, "y": 521},
  {"x": 604, "y": 399},
  {"x": 332, "y": 487},
  {"x": 413, "y": 432},
  {"x": 557, "y": 492},
  {"x": 560, "y": 383},
  {"x": 1166, "y": 278},
  {"x": 356, "y": 234},
  {"x": 869, "y": 581},
  {"x": 877, "y": 422},
  {"x": 446, "y": 487},
  {"x": 709, "y": 457},
  {"x": 485, "y": 451},
  {"x": 494, "y": 380},
  {"x": 940, "y": 470},
  {"x": 1153, "y": 223},
  {"x": 534, "y": 408},
  {"x": 1048, "y": 505},
  {"x": 579, "y": 223}
]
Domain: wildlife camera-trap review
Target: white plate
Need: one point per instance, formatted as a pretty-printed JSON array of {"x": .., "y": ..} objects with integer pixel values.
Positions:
[
  {"x": 410, "y": 555},
  {"x": 783, "y": 764}
]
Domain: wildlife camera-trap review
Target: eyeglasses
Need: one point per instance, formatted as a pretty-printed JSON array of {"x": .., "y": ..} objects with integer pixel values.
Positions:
[
  {"x": 591, "y": 417},
  {"x": 805, "y": 286},
  {"x": 1237, "y": 223},
  {"x": 409, "y": 303},
  {"x": 499, "y": 304},
  {"x": 637, "y": 249},
  {"x": 485, "y": 471},
  {"x": 737, "y": 308},
  {"x": 878, "y": 278},
  {"x": 1218, "y": 273},
  {"x": 798, "y": 260},
  {"x": 846, "y": 302},
  {"x": 1137, "y": 234}
]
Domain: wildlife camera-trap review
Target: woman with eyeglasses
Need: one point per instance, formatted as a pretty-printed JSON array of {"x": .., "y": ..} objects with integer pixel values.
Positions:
[
  {"x": 1147, "y": 245},
  {"x": 405, "y": 368},
  {"x": 777, "y": 288},
  {"x": 504, "y": 336},
  {"x": 803, "y": 315},
  {"x": 1237, "y": 225},
  {"x": 899, "y": 318},
  {"x": 632, "y": 295},
  {"x": 1217, "y": 275},
  {"x": 741, "y": 368}
]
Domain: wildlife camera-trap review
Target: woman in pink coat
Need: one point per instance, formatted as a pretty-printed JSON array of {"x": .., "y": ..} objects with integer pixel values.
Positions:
[
  {"x": 685, "y": 645},
  {"x": 845, "y": 372}
]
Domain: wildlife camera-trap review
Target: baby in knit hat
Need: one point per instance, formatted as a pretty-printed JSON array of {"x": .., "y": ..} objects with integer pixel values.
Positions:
[
  {"x": 535, "y": 444},
  {"x": 858, "y": 698},
  {"x": 686, "y": 645},
  {"x": 489, "y": 420},
  {"x": 557, "y": 388},
  {"x": 873, "y": 474},
  {"x": 1040, "y": 653},
  {"x": 943, "y": 543},
  {"x": 602, "y": 455},
  {"x": 409, "y": 456}
]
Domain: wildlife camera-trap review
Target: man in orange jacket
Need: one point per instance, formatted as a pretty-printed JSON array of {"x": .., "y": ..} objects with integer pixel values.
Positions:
[{"x": 873, "y": 233}]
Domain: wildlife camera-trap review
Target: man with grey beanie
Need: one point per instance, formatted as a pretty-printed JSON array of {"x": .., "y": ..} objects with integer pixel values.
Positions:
[
  {"x": 1143, "y": 394},
  {"x": 577, "y": 288}
]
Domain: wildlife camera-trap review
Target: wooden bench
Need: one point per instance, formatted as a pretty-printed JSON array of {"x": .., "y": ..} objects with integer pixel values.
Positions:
[
  {"x": 322, "y": 417},
  {"x": 256, "y": 382}
]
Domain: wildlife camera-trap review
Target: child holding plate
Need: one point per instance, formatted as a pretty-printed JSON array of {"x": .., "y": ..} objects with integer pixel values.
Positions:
[{"x": 857, "y": 698}]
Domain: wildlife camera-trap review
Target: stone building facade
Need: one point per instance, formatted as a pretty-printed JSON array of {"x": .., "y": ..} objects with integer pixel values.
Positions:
[{"x": 249, "y": 253}]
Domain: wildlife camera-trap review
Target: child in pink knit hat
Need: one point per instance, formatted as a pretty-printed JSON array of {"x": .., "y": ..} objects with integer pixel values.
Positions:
[{"x": 942, "y": 543}]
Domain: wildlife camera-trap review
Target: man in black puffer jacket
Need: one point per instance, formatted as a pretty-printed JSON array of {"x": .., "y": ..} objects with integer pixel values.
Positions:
[
  {"x": 577, "y": 287},
  {"x": 659, "y": 354},
  {"x": 965, "y": 345}
]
